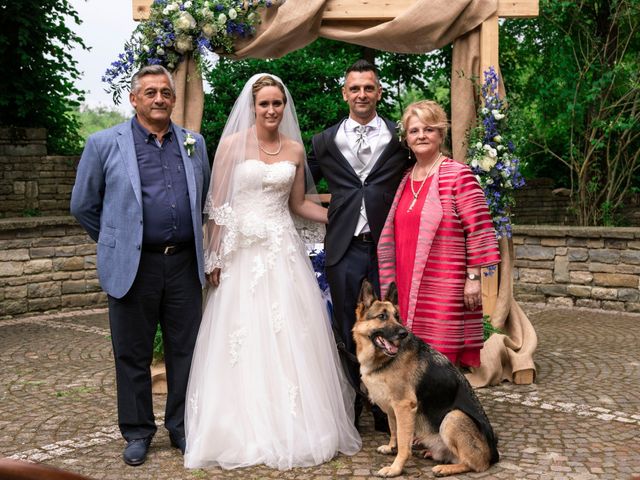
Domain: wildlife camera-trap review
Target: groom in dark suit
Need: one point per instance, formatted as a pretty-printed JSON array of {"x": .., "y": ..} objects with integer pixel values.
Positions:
[
  {"x": 363, "y": 162},
  {"x": 139, "y": 193}
]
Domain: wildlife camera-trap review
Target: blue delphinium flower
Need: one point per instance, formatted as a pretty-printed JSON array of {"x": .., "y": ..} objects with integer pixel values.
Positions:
[{"x": 492, "y": 159}]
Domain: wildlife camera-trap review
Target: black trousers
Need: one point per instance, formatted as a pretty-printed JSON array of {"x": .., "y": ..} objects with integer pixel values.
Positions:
[
  {"x": 345, "y": 278},
  {"x": 166, "y": 290}
]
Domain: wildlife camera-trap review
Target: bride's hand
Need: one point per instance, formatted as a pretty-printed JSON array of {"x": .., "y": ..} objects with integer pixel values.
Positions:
[{"x": 214, "y": 277}]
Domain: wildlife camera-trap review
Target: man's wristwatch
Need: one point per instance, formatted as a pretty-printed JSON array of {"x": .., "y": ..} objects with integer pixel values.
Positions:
[{"x": 473, "y": 276}]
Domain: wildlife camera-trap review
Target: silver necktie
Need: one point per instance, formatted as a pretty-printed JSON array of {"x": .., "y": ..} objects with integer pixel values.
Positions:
[{"x": 362, "y": 140}]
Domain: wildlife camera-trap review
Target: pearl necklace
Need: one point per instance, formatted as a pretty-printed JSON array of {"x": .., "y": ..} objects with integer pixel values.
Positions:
[
  {"x": 413, "y": 192},
  {"x": 265, "y": 151}
]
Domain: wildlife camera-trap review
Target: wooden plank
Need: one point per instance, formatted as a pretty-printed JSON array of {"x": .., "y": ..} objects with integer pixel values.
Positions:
[
  {"x": 380, "y": 10},
  {"x": 489, "y": 44},
  {"x": 141, "y": 9},
  {"x": 518, "y": 8}
]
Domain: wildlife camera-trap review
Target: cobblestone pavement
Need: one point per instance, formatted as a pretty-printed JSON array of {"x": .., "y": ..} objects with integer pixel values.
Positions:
[{"x": 580, "y": 420}]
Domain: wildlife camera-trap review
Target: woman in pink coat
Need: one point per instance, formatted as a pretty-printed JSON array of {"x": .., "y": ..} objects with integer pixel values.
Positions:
[{"x": 438, "y": 235}]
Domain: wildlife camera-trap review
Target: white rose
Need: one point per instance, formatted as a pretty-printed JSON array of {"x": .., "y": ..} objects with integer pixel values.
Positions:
[
  {"x": 484, "y": 111},
  {"x": 187, "y": 4},
  {"x": 486, "y": 163},
  {"x": 209, "y": 30},
  {"x": 160, "y": 51},
  {"x": 185, "y": 21},
  {"x": 474, "y": 163},
  {"x": 146, "y": 48},
  {"x": 166, "y": 10},
  {"x": 493, "y": 153},
  {"x": 222, "y": 19},
  {"x": 497, "y": 115},
  {"x": 479, "y": 145},
  {"x": 500, "y": 147},
  {"x": 232, "y": 13},
  {"x": 183, "y": 44}
]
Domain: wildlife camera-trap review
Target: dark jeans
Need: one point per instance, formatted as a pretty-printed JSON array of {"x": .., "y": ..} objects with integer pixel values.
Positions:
[{"x": 166, "y": 290}]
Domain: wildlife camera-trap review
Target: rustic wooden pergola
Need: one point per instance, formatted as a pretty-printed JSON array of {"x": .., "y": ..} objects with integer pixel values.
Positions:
[
  {"x": 353, "y": 11},
  {"x": 497, "y": 299}
]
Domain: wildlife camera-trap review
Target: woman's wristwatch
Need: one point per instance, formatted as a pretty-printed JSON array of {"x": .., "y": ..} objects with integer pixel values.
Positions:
[{"x": 473, "y": 276}]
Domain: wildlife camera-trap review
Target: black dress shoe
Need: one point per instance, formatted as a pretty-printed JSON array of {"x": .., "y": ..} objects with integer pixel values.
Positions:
[
  {"x": 178, "y": 442},
  {"x": 135, "y": 453}
]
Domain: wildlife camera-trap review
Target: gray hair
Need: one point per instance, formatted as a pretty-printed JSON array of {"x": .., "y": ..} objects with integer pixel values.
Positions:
[{"x": 151, "y": 70}]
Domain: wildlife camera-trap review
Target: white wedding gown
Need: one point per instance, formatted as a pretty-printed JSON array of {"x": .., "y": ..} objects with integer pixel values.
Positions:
[{"x": 266, "y": 386}]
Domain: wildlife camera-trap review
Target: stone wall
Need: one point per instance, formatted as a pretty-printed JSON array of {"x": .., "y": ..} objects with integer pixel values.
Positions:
[
  {"x": 596, "y": 267},
  {"x": 46, "y": 264},
  {"x": 540, "y": 203},
  {"x": 31, "y": 182}
]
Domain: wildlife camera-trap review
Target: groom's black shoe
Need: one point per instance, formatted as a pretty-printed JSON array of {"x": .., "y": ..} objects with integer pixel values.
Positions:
[
  {"x": 178, "y": 442},
  {"x": 135, "y": 453}
]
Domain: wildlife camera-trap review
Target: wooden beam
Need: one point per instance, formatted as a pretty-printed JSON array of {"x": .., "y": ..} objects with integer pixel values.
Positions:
[
  {"x": 488, "y": 45},
  {"x": 380, "y": 10}
]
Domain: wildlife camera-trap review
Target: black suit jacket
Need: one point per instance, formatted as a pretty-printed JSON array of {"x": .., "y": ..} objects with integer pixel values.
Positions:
[{"x": 347, "y": 190}]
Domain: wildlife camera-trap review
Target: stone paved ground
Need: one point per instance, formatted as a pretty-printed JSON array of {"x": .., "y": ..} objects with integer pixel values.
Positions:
[{"x": 581, "y": 420}]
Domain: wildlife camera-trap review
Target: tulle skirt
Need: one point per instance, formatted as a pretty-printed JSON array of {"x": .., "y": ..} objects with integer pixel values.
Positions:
[{"x": 266, "y": 386}]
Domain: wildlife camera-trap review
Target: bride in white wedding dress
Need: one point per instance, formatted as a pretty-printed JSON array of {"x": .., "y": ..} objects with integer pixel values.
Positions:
[{"x": 266, "y": 386}]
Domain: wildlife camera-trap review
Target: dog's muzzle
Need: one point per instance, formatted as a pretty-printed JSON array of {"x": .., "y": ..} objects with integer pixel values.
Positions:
[{"x": 388, "y": 339}]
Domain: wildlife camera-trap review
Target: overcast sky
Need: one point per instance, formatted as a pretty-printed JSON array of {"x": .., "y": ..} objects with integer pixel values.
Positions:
[{"x": 106, "y": 26}]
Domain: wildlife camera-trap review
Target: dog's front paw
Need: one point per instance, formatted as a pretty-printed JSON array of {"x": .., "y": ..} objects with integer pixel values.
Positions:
[
  {"x": 389, "y": 471},
  {"x": 386, "y": 449}
]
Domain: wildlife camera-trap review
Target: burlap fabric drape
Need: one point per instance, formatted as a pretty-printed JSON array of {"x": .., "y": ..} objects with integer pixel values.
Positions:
[
  {"x": 503, "y": 355},
  {"x": 427, "y": 25}
]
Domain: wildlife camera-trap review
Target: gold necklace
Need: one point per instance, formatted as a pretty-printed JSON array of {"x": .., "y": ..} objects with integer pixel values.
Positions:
[
  {"x": 413, "y": 192},
  {"x": 255, "y": 135}
]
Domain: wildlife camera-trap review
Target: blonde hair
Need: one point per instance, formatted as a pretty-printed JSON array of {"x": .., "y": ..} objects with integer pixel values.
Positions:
[
  {"x": 428, "y": 112},
  {"x": 267, "y": 81}
]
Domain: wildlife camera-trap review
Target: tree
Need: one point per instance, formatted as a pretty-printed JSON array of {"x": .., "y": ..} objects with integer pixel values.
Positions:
[
  {"x": 38, "y": 75},
  {"x": 573, "y": 79},
  {"x": 92, "y": 120}
]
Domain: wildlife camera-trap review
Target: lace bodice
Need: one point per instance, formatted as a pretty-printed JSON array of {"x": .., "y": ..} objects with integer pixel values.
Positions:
[
  {"x": 261, "y": 195},
  {"x": 259, "y": 211}
]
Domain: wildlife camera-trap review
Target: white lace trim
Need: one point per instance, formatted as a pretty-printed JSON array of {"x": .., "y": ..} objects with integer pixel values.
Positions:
[
  {"x": 293, "y": 400},
  {"x": 276, "y": 317},
  {"x": 235, "y": 342}
]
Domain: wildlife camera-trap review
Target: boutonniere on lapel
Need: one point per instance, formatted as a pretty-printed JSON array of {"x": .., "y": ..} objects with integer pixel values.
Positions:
[
  {"x": 400, "y": 130},
  {"x": 189, "y": 143}
]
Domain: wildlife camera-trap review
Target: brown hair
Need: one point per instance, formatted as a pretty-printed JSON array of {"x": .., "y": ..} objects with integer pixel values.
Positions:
[
  {"x": 428, "y": 112},
  {"x": 267, "y": 81}
]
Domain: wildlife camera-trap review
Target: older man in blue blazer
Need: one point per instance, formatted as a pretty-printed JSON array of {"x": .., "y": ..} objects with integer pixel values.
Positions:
[{"x": 139, "y": 193}]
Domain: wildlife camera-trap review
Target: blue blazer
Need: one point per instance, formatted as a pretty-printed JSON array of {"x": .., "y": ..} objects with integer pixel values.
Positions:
[{"x": 107, "y": 201}]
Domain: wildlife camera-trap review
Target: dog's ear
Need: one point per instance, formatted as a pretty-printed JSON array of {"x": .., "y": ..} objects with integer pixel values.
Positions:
[
  {"x": 367, "y": 295},
  {"x": 392, "y": 294}
]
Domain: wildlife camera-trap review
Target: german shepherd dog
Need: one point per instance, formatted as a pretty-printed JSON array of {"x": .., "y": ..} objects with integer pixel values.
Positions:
[{"x": 428, "y": 401}]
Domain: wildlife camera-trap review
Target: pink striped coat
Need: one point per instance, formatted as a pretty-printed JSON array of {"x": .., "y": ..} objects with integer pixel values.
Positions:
[{"x": 456, "y": 232}]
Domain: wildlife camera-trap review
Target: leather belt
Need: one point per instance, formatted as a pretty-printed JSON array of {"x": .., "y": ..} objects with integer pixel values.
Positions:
[
  {"x": 365, "y": 237},
  {"x": 169, "y": 249}
]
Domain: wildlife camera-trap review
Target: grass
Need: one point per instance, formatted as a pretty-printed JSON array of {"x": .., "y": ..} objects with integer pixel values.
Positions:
[{"x": 74, "y": 392}]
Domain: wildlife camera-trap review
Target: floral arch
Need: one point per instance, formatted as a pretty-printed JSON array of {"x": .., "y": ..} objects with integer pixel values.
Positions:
[{"x": 404, "y": 26}]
